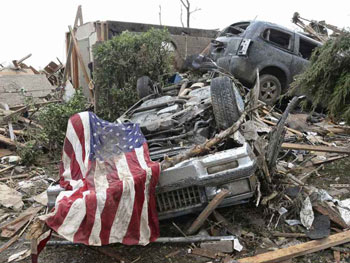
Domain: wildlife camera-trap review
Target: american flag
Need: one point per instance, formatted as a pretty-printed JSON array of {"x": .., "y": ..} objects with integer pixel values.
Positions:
[{"x": 110, "y": 183}]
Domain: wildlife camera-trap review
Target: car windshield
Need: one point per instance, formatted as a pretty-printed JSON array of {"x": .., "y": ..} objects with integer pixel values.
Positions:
[{"x": 235, "y": 29}]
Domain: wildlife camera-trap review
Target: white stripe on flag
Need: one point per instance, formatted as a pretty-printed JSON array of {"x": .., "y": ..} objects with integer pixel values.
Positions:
[
  {"x": 100, "y": 176},
  {"x": 94, "y": 239},
  {"x": 66, "y": 166},
  {"x": 77, "y": 147},
  {"x": 126, "y": 204},
  {"x": 85, "y": 119},
  {"x": 145, "y": 232},
  {"x": 75, "y": 216}
]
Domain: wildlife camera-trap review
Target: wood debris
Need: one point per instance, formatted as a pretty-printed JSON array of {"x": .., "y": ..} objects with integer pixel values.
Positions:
[{"x": 299, "y": 250}]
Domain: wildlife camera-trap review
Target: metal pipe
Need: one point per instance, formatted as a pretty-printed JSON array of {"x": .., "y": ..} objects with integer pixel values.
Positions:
[{"x": 188, "y": 239}]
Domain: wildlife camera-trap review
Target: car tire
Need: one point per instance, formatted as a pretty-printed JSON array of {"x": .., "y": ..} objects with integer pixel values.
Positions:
[
  {"x": 227, "y": 102},
  {"x": 144, "y": 87},
  {"x": 270, "y": 89}
]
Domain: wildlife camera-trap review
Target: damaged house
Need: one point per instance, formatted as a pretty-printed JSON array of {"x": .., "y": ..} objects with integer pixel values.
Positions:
[{"x": 186, "y": 42}]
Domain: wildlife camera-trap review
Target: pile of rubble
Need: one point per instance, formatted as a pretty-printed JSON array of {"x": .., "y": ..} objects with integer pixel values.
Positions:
[{"x": 291, "y": 150}]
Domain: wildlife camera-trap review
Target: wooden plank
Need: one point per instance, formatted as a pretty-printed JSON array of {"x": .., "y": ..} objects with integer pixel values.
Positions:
[
  {"x": 337, "y": 130},
  {"x": 9, "y": 243},
  {"x": 75, "y": 69},
  {"x": 331, "y": 159},
  {"x": 37, "y": 105},
  {"x": 207, "y": 211},
  {"x": 340, "y": 185},
  {"x": 5, "y": 152},
  {"x": 81, "y": 61},
  {"x": 315, "y": 148},
  {"x": 7, "y": 141},
  {"x": 325, "y": 209},
  {"x": 23, "y": 109},
  {"x": 13, "y": 177},
  {"x": 287, "y": 128},
  {"x": 6, "y": 168},
  {"x": 78, "y": 18},
  {"x": 30, "y": 122},
  {"x": 9, "y": 229},
  {"x": 299, "y": 250},
  {"x": 281, "y": 234}
]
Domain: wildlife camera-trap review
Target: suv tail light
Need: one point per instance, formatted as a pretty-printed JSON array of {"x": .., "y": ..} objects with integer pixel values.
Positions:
[{"x": 243, "y": 47}]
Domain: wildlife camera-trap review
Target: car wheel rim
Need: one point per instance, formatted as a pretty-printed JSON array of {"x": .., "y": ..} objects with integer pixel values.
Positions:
[{"x": 268, "y": 91}]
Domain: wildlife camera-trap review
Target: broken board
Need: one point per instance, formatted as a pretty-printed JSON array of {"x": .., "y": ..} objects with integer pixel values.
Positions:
[
  {"x": 299, "y": 250},
  {"x": 316, "y": 148}
]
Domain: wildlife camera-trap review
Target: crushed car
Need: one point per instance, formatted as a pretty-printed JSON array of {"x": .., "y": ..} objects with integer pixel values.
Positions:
[
  {"x": 277, "y": 52},
  {"x": 178, "y": 117}
]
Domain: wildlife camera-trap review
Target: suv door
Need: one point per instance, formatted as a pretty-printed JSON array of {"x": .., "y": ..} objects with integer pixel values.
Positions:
[
  {"x": 303, "y": 51},
  {"x": 277, "y": 46}
]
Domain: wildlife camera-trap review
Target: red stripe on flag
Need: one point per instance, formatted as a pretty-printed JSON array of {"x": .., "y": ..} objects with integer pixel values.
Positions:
[
  {"x": 113, "y": 196},
  {"x": 63, "y": 183},
  {"x": 74, "y": 165},
  {"x": 79, "y": 130},
  {"x": 63, "y": 208},
  {"x": 132, "y": 235},
  {"x": 84, "y": 231},
  {"x": 152, "y": 211}
]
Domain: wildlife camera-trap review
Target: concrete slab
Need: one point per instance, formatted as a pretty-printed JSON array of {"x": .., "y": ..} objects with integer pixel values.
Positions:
[{"x": 15, "y": 89}]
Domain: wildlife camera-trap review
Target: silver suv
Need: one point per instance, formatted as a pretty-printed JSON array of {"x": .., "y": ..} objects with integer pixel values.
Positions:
[{"x": 277, "y": 52}]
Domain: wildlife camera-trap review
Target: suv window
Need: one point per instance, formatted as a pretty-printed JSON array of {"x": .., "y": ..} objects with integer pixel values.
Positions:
[
  {"x": 305, "y": 48},
  {"x": 235, "y": 29},
  {"x": 278, "y": 38}
]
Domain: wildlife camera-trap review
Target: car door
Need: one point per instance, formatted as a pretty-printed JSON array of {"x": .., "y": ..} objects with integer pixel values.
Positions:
[
  {"x": 278, "y": 46},
  {"x": 302, "y": 53}
]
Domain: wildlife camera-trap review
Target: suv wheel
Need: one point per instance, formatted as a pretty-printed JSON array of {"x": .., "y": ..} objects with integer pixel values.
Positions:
[
  {"x": 227, "y": 102},
  {"x": 144, "y": 87},
  {"x": 270, "y": 89}
]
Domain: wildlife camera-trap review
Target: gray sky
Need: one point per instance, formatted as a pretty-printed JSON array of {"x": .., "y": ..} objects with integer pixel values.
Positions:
[{"x": 38, "y": 26}]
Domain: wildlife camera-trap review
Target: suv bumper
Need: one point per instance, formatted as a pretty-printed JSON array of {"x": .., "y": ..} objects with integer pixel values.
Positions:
[{"x": 190, "y": 185}]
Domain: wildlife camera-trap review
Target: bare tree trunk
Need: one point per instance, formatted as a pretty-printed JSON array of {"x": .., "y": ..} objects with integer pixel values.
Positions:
[
  {"x": 160, "y": 15},
  {"x": 187, "y": 6},
  {"x": 182, "y": 23},
  {"x": 188, "y": 13}
]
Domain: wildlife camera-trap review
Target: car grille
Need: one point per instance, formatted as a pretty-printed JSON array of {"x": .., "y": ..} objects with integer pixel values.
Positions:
[{"x": 179, "y": 199}]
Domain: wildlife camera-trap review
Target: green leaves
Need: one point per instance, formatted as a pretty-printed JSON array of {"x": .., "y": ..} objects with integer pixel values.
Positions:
[
  {"x": 120, "y": 61},
  {"x": 327, "y": 80},
  {"x": 54, "y": 118}
]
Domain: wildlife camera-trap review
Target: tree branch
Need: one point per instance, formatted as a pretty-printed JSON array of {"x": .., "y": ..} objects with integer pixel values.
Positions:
[
  {"x": 182, "y": 2},
  {"x": 160, "y": 15},
  {"x": 182, "y": 23},
  {"x": 197, "y": 9}
]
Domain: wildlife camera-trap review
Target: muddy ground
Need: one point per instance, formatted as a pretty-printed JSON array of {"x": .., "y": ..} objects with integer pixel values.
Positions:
[{"x": 251, "y": 221}]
